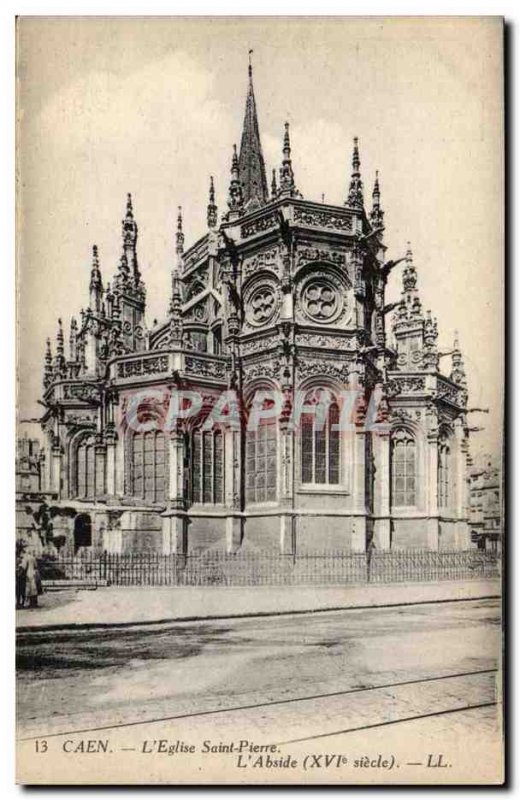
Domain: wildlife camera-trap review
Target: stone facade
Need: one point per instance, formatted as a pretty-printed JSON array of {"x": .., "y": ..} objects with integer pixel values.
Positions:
[
  {"x": 281, "y": 295},
  {"x": 485, "y": 511}
]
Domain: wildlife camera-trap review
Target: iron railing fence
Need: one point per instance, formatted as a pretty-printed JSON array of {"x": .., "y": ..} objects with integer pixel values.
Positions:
[{"x": 259, "y": 568}]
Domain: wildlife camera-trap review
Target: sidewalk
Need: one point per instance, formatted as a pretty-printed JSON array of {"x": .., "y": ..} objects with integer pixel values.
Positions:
[{"x": 138, "y": 605}]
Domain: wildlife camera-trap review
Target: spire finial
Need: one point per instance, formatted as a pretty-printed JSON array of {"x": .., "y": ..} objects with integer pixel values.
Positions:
[
  {"x": 250, "y": 67},
  {"x": 129, "y": 208},
  {"x": 212, "y": 206},
  {"x": 355, "y": 192}
]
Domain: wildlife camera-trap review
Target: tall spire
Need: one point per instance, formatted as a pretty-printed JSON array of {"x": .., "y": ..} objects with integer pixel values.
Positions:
[
  {"x": 129, "y": 227},
  {"x": 355, "y": 192},
  {"x": 251, "y": 160},
  {"x": 235, "y": 196},
  {"x": 212, "y": 206},
  {"x": 287, "y": 184}
]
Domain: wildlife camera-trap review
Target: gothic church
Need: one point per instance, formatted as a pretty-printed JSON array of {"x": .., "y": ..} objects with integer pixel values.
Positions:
[{"x": 282, "y": 294}]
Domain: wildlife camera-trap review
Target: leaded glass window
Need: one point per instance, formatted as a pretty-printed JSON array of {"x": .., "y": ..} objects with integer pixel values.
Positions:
[
  {"x": 207, "y": 467},
  {"x": 86, "y": 468},
  {"x": 148, "y": 457},
  {"x": 403, "y": 469},
  {"x": 444, "y": 470},
  {"x": 261, "y": 455},
  {"x": 320, "y": 450}
]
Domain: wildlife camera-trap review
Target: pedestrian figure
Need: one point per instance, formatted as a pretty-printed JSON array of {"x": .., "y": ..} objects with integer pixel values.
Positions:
[
  {"x": 21, "y": 576},
  {"x": 32, "y": 578}
]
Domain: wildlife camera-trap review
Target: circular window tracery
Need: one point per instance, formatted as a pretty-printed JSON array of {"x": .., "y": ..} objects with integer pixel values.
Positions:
[
  {"x": 262, "y": 305},
  {"x": 321, "y": 299}
]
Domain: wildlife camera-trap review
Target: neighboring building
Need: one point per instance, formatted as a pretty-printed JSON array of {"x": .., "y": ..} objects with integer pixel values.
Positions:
[
  {"x": 485, "y": 510},
  {"x": 29, "y": 465},
  {"x": 282, "y": 294}
]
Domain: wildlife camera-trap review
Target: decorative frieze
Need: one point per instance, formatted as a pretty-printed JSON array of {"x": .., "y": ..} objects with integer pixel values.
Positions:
[
  {"x": 326, "y": 340},
  {"x": 267, "y": 259},
  {"x": 259, "y": 345},
  {"x": 258, "y": 226},
  {"x": 309, "y": 254},
  {"x": 407, "y": 384},
  {"x": 332, "y": 369},
  {"x": 85, "y": 392},
  {"x": 323, "y": 219},
  {"x": 142, "y": 366},
  {"x": 205, "y": 368}
]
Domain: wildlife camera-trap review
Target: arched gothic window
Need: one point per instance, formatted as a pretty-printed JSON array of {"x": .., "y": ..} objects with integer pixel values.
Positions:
[
  {"x": 207, "y": 466},
  {"x": 444, "y": 472},
  {"x": 86, "y": 468},
  {"x": 148, "y": 473},
  {"x": 320, "y": 451},
  {"x": 261, "y": 458},
  {"x": 404, "y": 464}
]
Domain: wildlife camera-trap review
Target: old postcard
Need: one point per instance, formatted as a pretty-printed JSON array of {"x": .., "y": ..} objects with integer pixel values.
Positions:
[{"x": 260, "y": 400}]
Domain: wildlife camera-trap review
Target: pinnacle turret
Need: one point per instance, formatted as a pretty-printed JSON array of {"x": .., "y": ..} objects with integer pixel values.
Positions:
[
  {"x": 287, "y": 183},
  {"x": 175, "y": 309},
  {"x": 355, "y": 192},
  {"x": 409, "y": 314},
  {"x": 274, "y": 187},
  {"x": 60, "y": 346},
  {"x": 458, "y": 372},
  {"x": 72, "y": 338},
  {"x": 235, "y": 198},
  {"x": 96, "y": 283},
  {"x": 47, "y": 369},
  {"x": 129, "y": 231},
  {"x": 179, "y": 235},
  {"x": 212, "y": 207},
  {"x": 377, "y": 214}
]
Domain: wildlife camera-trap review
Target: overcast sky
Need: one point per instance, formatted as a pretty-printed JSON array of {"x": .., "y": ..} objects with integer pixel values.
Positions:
[{"x": 152, "y": 106}]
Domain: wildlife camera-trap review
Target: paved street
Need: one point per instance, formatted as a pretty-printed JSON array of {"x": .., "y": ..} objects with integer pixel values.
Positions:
[{"x": 86, "y": 679}]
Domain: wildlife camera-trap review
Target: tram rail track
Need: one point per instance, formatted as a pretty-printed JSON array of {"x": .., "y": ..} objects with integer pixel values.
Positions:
[{"x": 293, "y": 701}]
